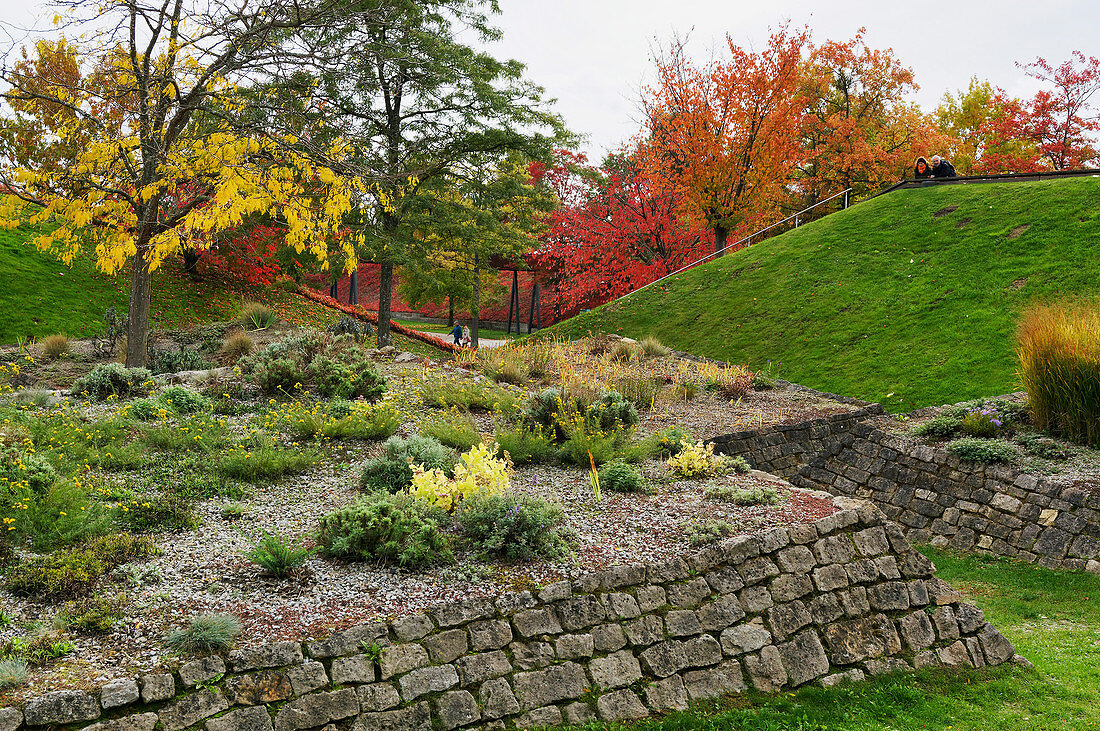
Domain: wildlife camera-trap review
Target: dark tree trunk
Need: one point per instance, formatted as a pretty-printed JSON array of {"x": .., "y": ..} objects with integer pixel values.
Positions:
[
  {"x": 353, "y": 288},
  {"x": 191, "y": 263},
  {"x": 475, "y": 303},
  {"x": 141, "y": 295},
  {"x": 385, "y": 288},
  {"x": 720, "y": 234}
]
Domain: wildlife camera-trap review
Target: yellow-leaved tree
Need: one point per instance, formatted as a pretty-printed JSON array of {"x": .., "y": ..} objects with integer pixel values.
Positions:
[{"x": 141, "y": 135}]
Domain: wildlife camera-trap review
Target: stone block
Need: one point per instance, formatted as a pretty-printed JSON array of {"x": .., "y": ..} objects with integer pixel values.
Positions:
[
  {"x": 444, "y": 646},
  {"x": 514, "y": 601},
  {"x": 682, "y": 623},
  {"x": 650, "y": 598},
  {"x": 887, "y": 567},
  {"x": 645, "y": 631},
  {"x": 756, "y": 570},
  {"x": 855, "y": 675},
  {"x": 701, "y": 652},
  {"x": 457, "y": 708},
  {"x": 11, "y": 718},
  {"x": 254, "y": 718},
  {"x": 533, "y": 622},
  {"x": 397, "y": 659},
  {"x": 947, "y": 628},
  {"x": 688, "y": 594},
  {"x": 667, "y": 694},
  {"x": 830, "y": 578},
  {"x": 570, "y": 647},
  {"x": 555, "y": 592},
  {"x": 796, "y": 560},
  {"x": 427, "y": 680},
  {"x": 497, "y": 699},
  {"x": 461, "y": 612},
  {"x": 969, "y": 617},
  {"x": 766, "y": 670},
  {"x": 491, "y": 634},
  {"x": 854, "y": 640},
  {"x": 307, "y": 677},
  {"x": 252, "y": 689},
  {"x": 531, "y": 655},
  {"x": 997, "y": 648},
  {"x": 542, "y": 687},
  {"x": 348, "y": 641},
  {"x": 955, "y": 655},
  {"x": 608, "y": 637},
  {"x": 620, "y": 705},
  {"x": 193, "y": 708},
  {"x": 788, "y": 587},
  {"x": 871, "y": 541},
  {"x": 616, "y": 670},
  {"x": 622, "y": 606},
  {"x": 892, "y": 595},
  {"x": 755, "y": 599},
  {"x": 916, "y": 631},
  {"x": 580, "y": 613},
  {"x": 116, "y": 693},
  {"x": 717, "y": 615},
  {"x": 825, "y": 608},
  {"x": 786, "y": 619},
  {"x": 476, "y": 668},
  {"x": 417, "y": 717},
  {"x": 578, "y": 714},
  {"x": 804, "y": 658},
  {"x": 377, "y": 697},
  {"x": 353, "y": 669},
  {"x": 275, "y": 655},
  {"x": 863, "y": 571},
  {"x": 412, "y": 627},
  {"x": 664, "y": 659},
  {"x": 713, "y": 682},
  {"x": 157, "y": 687},
  {"x": 139, "y": 722},
  {"x": 60, "y": 706},
  {"x": 834, "y": 549},
  {"x": 540, "y": 718}
]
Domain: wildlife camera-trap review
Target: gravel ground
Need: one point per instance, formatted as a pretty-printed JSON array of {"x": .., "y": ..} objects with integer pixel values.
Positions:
[{"x": 204, "y": 570}]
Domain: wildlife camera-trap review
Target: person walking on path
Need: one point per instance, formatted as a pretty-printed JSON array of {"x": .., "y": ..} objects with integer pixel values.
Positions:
[
  {"x": 457, "y": 333},
  {"x": 942, "y": 168},
  {"x": 922, "y": 169},
  {"x": 466, "y": 339}
]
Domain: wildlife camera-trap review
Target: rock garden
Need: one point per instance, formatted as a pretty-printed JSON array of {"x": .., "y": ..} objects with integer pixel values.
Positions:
[{"x": 263, "y": 481}]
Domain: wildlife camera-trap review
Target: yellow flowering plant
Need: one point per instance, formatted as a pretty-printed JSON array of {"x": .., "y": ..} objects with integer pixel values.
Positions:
[
  {"x": 696, "y": 460},
  {"x": 478, "y": 472}
]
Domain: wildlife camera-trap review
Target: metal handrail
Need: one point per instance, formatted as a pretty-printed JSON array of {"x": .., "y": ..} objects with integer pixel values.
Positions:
[{"x": 795, "y": 216}]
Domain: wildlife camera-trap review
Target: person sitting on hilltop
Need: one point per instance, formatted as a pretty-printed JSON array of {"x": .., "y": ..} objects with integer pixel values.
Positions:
[
  {"x": 942, "y": 168},
  {"x": 922, "y": 169}
]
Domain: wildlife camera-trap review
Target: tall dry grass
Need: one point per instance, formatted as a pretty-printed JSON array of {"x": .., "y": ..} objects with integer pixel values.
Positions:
[{"x": 1058, "y": 345}]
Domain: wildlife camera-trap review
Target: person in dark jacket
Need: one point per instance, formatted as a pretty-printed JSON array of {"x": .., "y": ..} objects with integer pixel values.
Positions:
[
  {"x": 456, "y": 333},
  {"x": 942, "y": 168},
  {"x": 922, "y": 169}
]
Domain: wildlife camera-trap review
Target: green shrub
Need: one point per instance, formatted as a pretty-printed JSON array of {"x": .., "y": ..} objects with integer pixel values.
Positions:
[
  {"x": 618, "y": 476},
  {"x": 116, "y": 549},
  {"x": 586, "y": 444},
  {"x": 738, "y": 465},
  {"x": 279, "y": 376},
  {"x": 367, "y": 424},
  {"x": 62, "y": 515},
  {"x": 612, "y": 412},
  {"x": 39, "y": 649},
  {"x": 1058, "y": 345},
  {"x": 348, "y": 325},
  {"x": 93, "y": 615},
  {"x": 68, "y": 573},
  {"x": 257, "y": 316},
  {"x": 1043, "y": 447},
  {"x": 183, "y": 400},
  {"x": 510, "y": 371},
  {"x": 335, "y": 367},
  {"x": 233, "y": 511},
  {"x": 392, "y": 472},
  {"x": 13, "y": 672},
  {"x": 973, "y": 449},
  {"x": 391, "y": 528},
  {"x": 334, "y": 378},
  {"x": 24, "y": 470},
  {"x": 525, "y": 444},
  {"x": 169, "y": 361},
  {"x": 943, "y": 426},
  {"x": 201, "y": 434},
  {"x": 159, "y": 513},
  {"x": 514, "y": 528},
  {"x": 205, "y": 485},
  {"x": 278, "y": 556},
  {"x": 204, "y": 634},
  {"x": 455, "y": 429},
  {"x": 762, "y": 495},
  {"x": 707, "y": 531},
  {"x": 112, "y": 379},
  {"x": 144, "y": 409}
]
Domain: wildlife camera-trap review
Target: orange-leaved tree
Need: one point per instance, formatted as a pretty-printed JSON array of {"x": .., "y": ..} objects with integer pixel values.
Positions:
[
  {"x": 136, "y": 141},
  {"x": 723, "y": 136}
]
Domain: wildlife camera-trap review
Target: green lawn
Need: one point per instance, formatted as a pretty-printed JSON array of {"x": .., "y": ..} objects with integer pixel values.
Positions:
[
  {"x": 41, "y": 296},
  {"x": 884, "y": 301},
  {"x": 1053, "y": 618}
]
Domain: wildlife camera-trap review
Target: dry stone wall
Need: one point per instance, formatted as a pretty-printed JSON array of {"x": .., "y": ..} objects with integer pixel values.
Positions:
[
  {"x": 942, "y": 500},
  {"x": 838, "y": 599}
]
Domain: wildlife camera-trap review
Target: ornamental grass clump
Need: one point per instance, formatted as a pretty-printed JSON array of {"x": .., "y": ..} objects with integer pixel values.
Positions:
[
  {"x": 652, "y": 347},
  {"x": 13, "y": 672},
  {"x": 206, "y": 633},
  {"x": 54, "y": 347},
  {"x": 257, "y": 316},
  {"x": 1058, "y": 345}
]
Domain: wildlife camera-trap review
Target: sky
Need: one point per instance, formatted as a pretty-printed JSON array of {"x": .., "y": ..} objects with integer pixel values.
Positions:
[{"x": 594, "y": 55}]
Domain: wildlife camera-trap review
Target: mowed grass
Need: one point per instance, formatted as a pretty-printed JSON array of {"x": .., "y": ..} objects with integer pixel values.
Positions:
[
  {"x": 1052, "y": 617},
  {"x": 884, "y": 301},
  {"x": 41, "y": 296}
]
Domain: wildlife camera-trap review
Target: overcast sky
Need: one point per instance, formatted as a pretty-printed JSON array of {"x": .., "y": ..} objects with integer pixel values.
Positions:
[{"x": 592, "y": 55}]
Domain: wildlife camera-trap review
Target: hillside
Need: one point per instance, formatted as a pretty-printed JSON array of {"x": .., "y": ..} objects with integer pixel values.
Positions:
[
  {"x": 909, "y": 299},
  {"x": 42, "y": 296}
]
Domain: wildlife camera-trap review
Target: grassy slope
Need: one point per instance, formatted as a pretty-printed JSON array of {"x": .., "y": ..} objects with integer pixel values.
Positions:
[
  {"x": 1053, "y": 618},
  {"x": 41, "y": 296},
  {"x": 883, "y": 298}
]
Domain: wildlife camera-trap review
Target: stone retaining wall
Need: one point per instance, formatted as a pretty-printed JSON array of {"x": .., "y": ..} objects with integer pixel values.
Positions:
[
  {"x": 785, "y": 449},
  {"x": 824, "y": 602},
  {"x": 941, "y": 500}
]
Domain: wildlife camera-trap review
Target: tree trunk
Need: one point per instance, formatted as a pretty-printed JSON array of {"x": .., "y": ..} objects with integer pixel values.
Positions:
[
  {"x": 191, "y": 263},
  {"x": 385, "y": 287},
  {"x": 450, "y": 312},
  {"x": 720, "y": 234},
  {"x": 475, "y": 303},
  {"x": 141, "y": 295},
  {"x": 353, "y": 287}
]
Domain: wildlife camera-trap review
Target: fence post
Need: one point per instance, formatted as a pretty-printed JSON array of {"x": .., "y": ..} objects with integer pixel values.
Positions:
[{"x": 845, "y": 199}]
